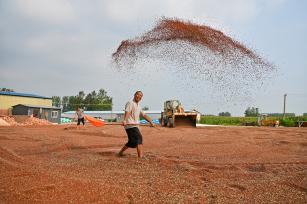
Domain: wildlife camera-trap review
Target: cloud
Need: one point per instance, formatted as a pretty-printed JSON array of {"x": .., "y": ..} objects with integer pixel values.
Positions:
[
  {"x": 66, "y": 30},
  {"x": 55, "y": 11},
  {"x": 240, "y": 11},
  {"x": 133, "y": 11}
]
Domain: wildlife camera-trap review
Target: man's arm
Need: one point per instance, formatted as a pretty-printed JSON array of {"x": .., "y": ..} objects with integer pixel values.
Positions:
[
  {"x": 127, "y": 114},
  {"x": 128, "y": 108},
  {"x": 148, "y": 119},
  {"x": 75, "y": 116}
]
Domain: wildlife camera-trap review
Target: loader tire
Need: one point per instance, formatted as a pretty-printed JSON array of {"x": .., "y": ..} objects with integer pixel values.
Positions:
[{"x": 171, "y": 122}]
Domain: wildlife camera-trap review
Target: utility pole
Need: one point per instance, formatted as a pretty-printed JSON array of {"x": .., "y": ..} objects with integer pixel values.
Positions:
[{"x": 285, "y": 96}]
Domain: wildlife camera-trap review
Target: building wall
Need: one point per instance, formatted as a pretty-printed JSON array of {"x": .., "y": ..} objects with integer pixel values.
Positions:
[
  {"x": 20, "y": 110},
  {"x": 7, "y": 102},
  {"x": 41, "y": 113},
  {"x": 54, "y": 120},
  {"x": 4, "y": 111}
]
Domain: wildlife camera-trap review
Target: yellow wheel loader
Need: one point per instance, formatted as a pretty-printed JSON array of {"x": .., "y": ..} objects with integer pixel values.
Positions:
[
  {"x": 174, "y": 115},
  {"x": 264, "y": 121}
]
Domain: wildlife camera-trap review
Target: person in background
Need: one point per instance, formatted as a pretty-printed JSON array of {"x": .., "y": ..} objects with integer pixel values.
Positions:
[
  {"x": 80, "y": 116},
  {"x": 131, "y": 123}
]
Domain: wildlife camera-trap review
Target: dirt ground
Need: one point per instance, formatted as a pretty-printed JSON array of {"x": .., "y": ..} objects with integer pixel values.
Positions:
[{"x": 61, "y": 164}]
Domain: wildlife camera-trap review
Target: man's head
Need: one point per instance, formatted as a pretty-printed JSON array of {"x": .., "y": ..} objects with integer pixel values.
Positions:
[{"x": 138, "y": 96}]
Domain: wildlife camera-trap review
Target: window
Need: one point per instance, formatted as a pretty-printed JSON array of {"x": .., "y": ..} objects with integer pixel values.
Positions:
[{"x": 54, "y": 114}]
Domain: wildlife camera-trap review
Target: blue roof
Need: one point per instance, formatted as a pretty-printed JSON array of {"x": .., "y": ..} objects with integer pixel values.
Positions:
[{"x": 23, "y": 95}]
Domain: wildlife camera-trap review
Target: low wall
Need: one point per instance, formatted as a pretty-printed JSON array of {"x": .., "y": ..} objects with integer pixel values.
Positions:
[
  {"x": 6, "y": 111},
  {"x": 20, "y": 118}
]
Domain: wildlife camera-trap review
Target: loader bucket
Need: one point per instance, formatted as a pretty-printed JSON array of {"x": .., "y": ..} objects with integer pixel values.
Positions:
[{"x": 185, "y": 121}]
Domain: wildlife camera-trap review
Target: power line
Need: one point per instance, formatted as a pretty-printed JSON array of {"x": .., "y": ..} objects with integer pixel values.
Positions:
[{"x": 303, "y": 94}]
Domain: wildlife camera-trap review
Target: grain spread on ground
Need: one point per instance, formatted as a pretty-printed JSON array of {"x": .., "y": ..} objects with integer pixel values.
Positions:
[{"x": 58, "y": 164}]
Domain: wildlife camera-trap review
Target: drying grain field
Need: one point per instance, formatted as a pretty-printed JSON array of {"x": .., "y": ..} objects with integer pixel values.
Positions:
[{"x": 61, "y": 164}]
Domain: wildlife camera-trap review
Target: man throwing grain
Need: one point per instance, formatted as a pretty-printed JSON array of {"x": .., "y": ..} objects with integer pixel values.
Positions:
[{"x": 131, "y": 122}]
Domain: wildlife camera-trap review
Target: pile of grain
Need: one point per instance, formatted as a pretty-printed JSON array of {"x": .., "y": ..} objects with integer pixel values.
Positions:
[
  {"x": 9, "y": 120},
  {"x": 31, "y": 121},
  {"x": 36, "y": 121},
  {"x": 3, "y": 122}
]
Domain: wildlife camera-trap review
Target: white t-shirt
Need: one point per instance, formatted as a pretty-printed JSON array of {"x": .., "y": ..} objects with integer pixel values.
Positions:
[
  {"x": 80, "y": 114},
  {"x": 135, "y": 111}
]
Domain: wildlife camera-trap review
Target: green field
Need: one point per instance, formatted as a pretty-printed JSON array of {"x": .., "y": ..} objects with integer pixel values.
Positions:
[{"x": 237, "y": 121}]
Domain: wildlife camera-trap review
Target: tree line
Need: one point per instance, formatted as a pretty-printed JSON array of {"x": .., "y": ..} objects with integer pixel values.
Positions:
[
  {"x": 93, "y": 101},
  {"x": 7, "y": 90},
  {"x": 254, "y": 112}
]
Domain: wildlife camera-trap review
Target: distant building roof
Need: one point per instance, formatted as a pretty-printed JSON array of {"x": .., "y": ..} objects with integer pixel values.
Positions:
[
  {"x": 23, "y": 95},
  {"x": 35, "y": 106}
]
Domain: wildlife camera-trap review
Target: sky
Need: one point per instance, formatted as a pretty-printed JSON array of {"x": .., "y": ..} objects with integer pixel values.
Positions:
[{"x": 61, "y": 47}]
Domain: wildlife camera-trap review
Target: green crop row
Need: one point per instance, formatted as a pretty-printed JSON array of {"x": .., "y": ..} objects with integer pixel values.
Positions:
[
  {"x": 225, "y": 120},
  {"x": 292, "y": 121},
  {"x": 237, "y": 121}
]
